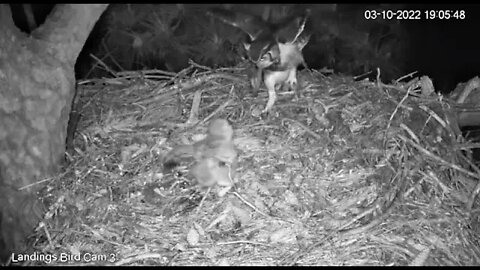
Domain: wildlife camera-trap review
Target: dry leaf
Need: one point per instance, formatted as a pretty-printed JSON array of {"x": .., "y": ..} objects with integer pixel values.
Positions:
[
  {"x": 421, "y": 258},
  {"x": 242, "y": 215},
  {"x": 290, "y": 198},
  {"x": 223, "y": 262},
  {"x": 211, "y": 253},
  {"x": 260, "y": 205},
  {"x": 75, "y": 248},
  {"x": 179, "y": 247},
  {"x": 223, "y": 191},
  {"x": 284, "y": 235},
  {"x": 193, "y": 237}
]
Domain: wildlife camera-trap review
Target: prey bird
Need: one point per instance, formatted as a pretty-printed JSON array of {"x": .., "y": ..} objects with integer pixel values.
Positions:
[{"x": 275, "y": 48}]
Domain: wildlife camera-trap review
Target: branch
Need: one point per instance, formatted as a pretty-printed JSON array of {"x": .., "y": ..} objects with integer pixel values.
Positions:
[
  {"x": 68, "y": 27},
  {"x": 6, "y": 19}
]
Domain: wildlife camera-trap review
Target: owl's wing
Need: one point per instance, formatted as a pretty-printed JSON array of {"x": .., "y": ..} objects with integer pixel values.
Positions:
[
  {"x": 290, "y": 29},
  {"x": 302, "y": 40}
]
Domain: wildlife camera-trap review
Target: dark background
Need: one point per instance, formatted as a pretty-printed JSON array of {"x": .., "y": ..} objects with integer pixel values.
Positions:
[{"x": 446, "y": 50}]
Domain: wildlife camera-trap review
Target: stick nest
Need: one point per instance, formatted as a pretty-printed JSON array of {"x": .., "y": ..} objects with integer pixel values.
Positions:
[{"x": 347, "y": 173}]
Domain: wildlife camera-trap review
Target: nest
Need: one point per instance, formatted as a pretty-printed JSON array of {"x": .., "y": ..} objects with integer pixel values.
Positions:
[{"x": 346, "y": 173}]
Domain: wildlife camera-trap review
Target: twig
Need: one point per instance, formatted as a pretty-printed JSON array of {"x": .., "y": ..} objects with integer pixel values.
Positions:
[
  {"x": 410, "y": 132},
  {"x": 36, "y": 183},
  {"x": 434, "y": 115},
  {"x": 309, "y": 131},
  {"x": 139, "y": 258},
  {"x": 431, "y": 175},
  {"x": 378, "y": 77},
  {"x": 185, "y": 86},
  {"x": 354, "y": 231},
  {"x": 473, "y": 83},
  {"x": 192, "y": 63},
  {"x": 362, "y": 75},
  {"x": 195, "y": 81},
  {"x": 220, "y": 108},
  {"x": 231, "y": 69},
  {"x": 469, "y": 162},
  {"x": 222, "y": 216},
  {"x": 147, "y": 72},
  {"x": 47, "y": 233},
  {"x": 250, "y": 205},
  {"x": 109, "y": 54},
  {"x": 391, "y": 117},
  {"x": 193, "y": 118},
  {"x": 292, "y": 259},
  {"x": 104, "y": 65},
  {"x": 237, "y": 242},
  {"x": 203, "y": 200},
  {"x": 474, "y": 194},
  {"x": 436, "y": 158},
  {"x": 405, "y": 76}
]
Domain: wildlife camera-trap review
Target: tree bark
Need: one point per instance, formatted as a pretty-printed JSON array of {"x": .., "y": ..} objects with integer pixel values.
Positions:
[{"x": 37, "y": 84}]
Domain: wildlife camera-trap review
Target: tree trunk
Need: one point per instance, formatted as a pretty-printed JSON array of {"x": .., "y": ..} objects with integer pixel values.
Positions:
[{"x": 37, "y": 84}]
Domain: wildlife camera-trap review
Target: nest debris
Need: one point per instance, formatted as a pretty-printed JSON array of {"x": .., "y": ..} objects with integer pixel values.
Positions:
[{"x": 348, "y": 173}]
